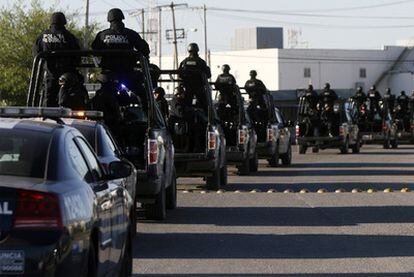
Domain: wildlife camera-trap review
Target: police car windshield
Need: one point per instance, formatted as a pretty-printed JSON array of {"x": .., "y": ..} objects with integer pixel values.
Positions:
[{"x": 23, "y": 153}]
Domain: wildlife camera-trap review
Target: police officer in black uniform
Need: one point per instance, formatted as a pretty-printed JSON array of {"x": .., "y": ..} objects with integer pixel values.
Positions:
[
  {"x": 72, "y": 93},
  {"x": 375, "y": 97},
  {"x": 106, "y": 101},
  {"x": 255, "y": 87},
  {"x": 56, "y": 38},
  {"x": 159, "y": 94},
  {"x": 311, "y": 98},
  {"x": 389, "y": 100},
  {"x": 327, "y": 101},
  {"x": 117, "y": 37},
  {"x": 359, "y": 97},
  {"x": 191, "y": 70},
  {"x": 226, "y": 84}
]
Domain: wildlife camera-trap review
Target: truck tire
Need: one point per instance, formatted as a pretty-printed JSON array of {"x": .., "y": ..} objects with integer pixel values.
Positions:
[
  {"x": 345, "y": 147},
  {"x": 274, "y": 160},
  {"x": 157, "y": 210},
  {"x": 244, "y": 168},
  {"x": 126, "y": 267},
  {"x": 287, "y": 157},
  {"x": 214, "y": 182},
  {"x": 223, "y": 176},
  {"x": 387, "y": 142},
  {"x": 171, "y": 197},
  {"x": 254, "y": 163},
  {"x": 356, "y": 147},
  {"x": 92, "y": 269},
  {"x": 302, "y": 149}
]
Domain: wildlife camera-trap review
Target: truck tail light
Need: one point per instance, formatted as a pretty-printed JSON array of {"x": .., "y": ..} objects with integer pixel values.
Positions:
[
  {"x": 270, "y": 135},
  {"x": 242, "y": 136},
  {"x": 297, "y": 131},
  {"x": 212, "y": 140},
  {"x": 152, "y": 151},
  {"x": 37, "y": 210}
]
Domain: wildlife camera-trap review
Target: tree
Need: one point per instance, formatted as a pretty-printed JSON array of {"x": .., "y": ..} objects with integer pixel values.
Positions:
[{"x": 20, "y": 25}]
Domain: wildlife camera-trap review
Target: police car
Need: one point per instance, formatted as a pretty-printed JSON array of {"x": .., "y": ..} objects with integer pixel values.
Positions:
[
  {"x": 100, "y": 138},
  {"x": 60, "y": 213}
]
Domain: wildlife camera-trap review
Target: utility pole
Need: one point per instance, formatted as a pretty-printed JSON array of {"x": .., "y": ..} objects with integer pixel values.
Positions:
[
  {"x": 159, "y": 37},
  {"x": 143, "y": 23},
  {"x": 86, "y": 32},
  {"x": 206, "y": 56},
  {"x": 172, "y": 6}
]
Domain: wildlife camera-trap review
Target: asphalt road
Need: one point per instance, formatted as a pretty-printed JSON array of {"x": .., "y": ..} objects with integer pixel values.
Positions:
[{"x": 291, "y": 234}]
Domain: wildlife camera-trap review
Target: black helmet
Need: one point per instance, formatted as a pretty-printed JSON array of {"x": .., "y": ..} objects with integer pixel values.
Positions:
[
  {"x": 115, "y": 15},
  {"x": 327, "y": 85},
  {"x": 58, "y": 18},
  {"x": 253, "y": 73},
  {"x": 160, "y": 91},
  {"x": 373, "y": 87},
  {"x": 193, "y": 48},
  {"x": 225, "y": 68},
  {"x": 68, "y": 79},
  {"x": 310, "y": 87},
  {"x": 388, "y": 91},
  {"x": 403, "y": 92},
  {"x": 359, "y": 89}
]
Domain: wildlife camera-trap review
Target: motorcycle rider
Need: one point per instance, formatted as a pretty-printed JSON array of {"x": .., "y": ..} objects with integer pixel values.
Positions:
[
  {"x": 191, "y": 70},
  {"x": 57, "y": 37},
  {"x": 118, "y": 37}
]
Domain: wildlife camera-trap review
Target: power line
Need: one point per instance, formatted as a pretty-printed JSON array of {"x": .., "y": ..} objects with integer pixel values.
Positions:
[
  {"x": 312, "y": 15},
  {"x": 307, "y": 24}
]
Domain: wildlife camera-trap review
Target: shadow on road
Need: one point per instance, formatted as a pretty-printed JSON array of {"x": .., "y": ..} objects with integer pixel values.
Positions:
[
  {"x": 349, "y": 165},
  {"x": 288, "y": 275},
  {"x": 313, "y": 187},
  {"x": 336, "y": 172},
  {"x": 268, "y": 246},
  {"x": 291, "y": 216}
]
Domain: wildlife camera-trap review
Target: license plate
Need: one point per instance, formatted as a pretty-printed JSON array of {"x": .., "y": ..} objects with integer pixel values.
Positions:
[{"x": 11, "y": 262}]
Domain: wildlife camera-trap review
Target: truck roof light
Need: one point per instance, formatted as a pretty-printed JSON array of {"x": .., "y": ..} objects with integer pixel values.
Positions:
[{"x": 27, "y": 112}]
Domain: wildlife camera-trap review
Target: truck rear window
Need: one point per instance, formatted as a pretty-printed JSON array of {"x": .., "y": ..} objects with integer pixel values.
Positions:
[{"x": 23, "y": 153}]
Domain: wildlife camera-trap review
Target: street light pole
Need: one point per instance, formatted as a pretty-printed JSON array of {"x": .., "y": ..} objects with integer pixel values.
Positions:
[
  {"x": 86, "y": 32},
  {"x": 159, "y": 38},
  {"x": 205, "y": 35}
]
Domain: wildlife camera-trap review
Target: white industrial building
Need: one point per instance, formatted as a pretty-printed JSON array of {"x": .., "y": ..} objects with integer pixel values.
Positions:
[{"x": 290, "y": 69}]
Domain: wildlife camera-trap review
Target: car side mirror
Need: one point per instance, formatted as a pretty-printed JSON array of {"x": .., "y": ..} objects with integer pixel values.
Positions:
[{"x": 119, "y": 170}]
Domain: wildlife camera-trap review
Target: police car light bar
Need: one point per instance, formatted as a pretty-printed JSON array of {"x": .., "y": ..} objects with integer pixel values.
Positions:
[
  {"x": 20, "y": 112},
  {"x": 87, "y": 114}
]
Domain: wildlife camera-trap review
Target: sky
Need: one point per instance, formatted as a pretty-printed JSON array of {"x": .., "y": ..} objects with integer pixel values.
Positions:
[{"x": 351, "y": 24}]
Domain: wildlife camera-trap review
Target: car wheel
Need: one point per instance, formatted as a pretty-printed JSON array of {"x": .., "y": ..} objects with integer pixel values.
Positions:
[
  {"x": 274, "y": 160},
  {"x": 244, "y": 168},
  {"x": 214, "y": 182},
  {"x": 172, "y": 193},
  {"x": 92, "y": 261},
  {"x": 287, "y": 157},
  {"x": 302, "y": 149},
  {"x": 254, "y": 163},
  {"x": 126, "y": 268},
  {"x": 345, "y": 147},
  {"x": 157, "y": 210},
  {"x": 134, "y": 219},
  {"x": 223, "y": 176}
]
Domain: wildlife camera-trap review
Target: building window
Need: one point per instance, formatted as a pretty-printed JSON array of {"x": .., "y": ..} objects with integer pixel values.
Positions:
[
  {"x": 362, "y": 73},
  {"x": 307, "y": 72}
]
